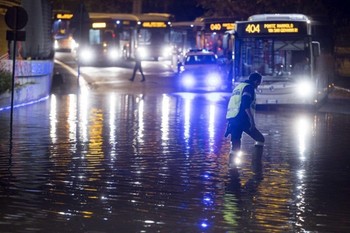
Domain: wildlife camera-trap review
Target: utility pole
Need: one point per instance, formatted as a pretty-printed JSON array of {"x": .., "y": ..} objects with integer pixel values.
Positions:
[{"x": 137, "y": 7}]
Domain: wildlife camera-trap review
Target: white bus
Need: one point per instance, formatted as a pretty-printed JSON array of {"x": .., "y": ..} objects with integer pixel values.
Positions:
[
  {"x": 202, "y": 33},
  {"x": 62, "y": 35},
  {"x": 153, "y": 36},
  {"x": 114, "y": 36},
  {"x": 280, "y": 47},
  {"x": 110, "y": 38}
]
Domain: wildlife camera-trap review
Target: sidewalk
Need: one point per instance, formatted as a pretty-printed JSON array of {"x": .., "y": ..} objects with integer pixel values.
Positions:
[
  {"x": 343, "y": 82},
  {"x": 341, "y": 89}
]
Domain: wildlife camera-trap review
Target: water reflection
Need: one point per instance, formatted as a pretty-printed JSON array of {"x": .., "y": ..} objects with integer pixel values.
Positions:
[{"x": 146, "y": 162}]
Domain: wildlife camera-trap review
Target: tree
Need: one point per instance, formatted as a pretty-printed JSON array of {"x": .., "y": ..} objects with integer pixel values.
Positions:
[
  {"x": 109, "y": 6},
  {"x": 243, "y": 9}
]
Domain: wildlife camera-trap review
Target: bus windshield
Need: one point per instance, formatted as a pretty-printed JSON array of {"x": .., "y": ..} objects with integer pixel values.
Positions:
[
  {"x": 154, "y": 36},
  {"x": 60, "y": 29},
  {"x": 275, "y": 58},
  {"x": 98, "y": 36}
]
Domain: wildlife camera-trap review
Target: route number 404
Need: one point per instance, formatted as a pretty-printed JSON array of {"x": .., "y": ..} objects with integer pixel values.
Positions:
[{"x": 253, "y": 28}]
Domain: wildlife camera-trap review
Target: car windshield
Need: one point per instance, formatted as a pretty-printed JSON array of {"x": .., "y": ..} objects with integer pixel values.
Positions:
[{"x": 200, "y": 59}]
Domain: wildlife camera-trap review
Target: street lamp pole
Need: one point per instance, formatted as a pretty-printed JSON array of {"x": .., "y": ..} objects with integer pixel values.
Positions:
[{"x": 137, "y": 6}]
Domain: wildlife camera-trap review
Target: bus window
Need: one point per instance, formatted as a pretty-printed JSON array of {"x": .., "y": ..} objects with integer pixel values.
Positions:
[
  {"x": 270, "y": 57},
  {"x": 94, "y": 37},
  {"x": 153, "y": 36},
  {"x": 108, "y": 36},
  {"x": 125, "y": 35},
  {"x": 145, "y": 37}
]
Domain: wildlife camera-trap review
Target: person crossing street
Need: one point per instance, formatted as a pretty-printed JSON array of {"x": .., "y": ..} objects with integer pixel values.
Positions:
[
  {"x": 138, "y": 66},
  {"x": 240, "y": 117}
]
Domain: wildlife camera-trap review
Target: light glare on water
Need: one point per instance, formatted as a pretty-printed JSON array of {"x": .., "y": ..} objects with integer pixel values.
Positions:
[{"x": 109, "y": 162}]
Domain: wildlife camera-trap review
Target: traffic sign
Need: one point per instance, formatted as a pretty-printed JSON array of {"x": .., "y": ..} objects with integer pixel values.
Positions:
[
  {"x": 16, "y": 18},
  {"x": 20, "y": 35}
]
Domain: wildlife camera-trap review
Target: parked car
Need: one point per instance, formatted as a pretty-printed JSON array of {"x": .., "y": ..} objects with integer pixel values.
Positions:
[{"x": 201, "y": 70}]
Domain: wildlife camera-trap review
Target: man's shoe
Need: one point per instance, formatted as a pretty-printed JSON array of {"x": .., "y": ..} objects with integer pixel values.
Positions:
[{"x": 142, "y": 80}]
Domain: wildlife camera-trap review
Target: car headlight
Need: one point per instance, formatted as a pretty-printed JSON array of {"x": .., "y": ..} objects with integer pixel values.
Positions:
[
  {"x": 187, "y": 80},
  {"x": 213, "y": 79},
  {"x": 86, "y": 55},
  {"x": 305, "y": 88}
]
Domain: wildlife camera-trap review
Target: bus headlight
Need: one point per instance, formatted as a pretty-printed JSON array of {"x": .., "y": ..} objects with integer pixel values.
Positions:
[
  {"x": 167, "y": 51},
  {"x": 113, "y": 54},
  {"x": 73, "y": 44},
  {"x": 86, "y": 55},
  {"x": 55, "y": 45},
  {"x": 305, "y": 88},
  {"x": 142, "y": 52}
]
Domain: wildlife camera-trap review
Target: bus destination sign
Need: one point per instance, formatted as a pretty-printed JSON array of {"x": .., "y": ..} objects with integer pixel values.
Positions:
[
  {"x": 221, "y": 26},
  {"x": 64, "y": 16},
  {"x": 154, "y": 25},
  {"x": 99, "y": 25},
  {"x": 269, "y": 28}
]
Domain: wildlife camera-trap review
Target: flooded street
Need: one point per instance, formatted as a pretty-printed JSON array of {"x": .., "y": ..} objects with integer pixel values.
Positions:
[{"x": 153, "y": 162}]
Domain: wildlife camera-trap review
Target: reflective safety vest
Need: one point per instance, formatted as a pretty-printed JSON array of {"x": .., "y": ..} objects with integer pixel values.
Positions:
[{"x": 235, "y": 101}]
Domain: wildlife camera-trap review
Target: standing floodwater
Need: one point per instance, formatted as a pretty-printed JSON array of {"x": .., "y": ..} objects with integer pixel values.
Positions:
[{"x": 111, "y": 162}]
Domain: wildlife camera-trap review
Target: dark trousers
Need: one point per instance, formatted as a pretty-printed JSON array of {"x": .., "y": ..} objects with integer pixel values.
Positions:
[
  {"x": 137, "y": 67},
  {"x": 236, "y": 130}
]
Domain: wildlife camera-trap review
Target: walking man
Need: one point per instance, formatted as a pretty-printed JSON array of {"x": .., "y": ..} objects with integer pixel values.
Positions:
[
  {"x": 137, "y": 67},
  {"x": 240, "y": 117}
]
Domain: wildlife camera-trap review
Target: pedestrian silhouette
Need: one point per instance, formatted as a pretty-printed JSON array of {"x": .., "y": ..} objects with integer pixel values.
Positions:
[{"x": 138, "y": 66}]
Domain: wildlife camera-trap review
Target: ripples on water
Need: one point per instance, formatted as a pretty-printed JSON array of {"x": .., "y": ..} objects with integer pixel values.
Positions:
[{"x": 158, "y": 163}]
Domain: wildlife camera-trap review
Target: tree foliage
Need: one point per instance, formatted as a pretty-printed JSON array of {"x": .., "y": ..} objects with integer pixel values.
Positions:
[
  {"x": 333, "y": 10},
  {"x": 182, "y": 10},
  {"x": 5, "y": 80},
  {"x": 109, "y": 6}
]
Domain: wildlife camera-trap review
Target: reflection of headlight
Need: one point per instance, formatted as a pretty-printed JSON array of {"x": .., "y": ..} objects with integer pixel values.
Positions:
[
  {"x": 86, "y": 55},
  {"x": 113, "y": 54},
  {"x": 303, "y": 129},
  {"x": 213, "y": 79},
  {"x": 167, "y": 51},
  {"x": 188, "y": 80},
  {"x": 305, "y": 88},
  {"x": 238, "y": 158},
  {"x": 142, "y": 52}
]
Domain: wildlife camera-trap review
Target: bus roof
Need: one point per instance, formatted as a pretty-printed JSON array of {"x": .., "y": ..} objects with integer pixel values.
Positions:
[
  {"x": 215, "y": 19},
  {"x": 187, "y": 24},
  {"x": 278, "y": 17},
  {"x": 98, "y": 15},
  {"x": 132, "y": 17},
  {"x": 155, "y": 17}
]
